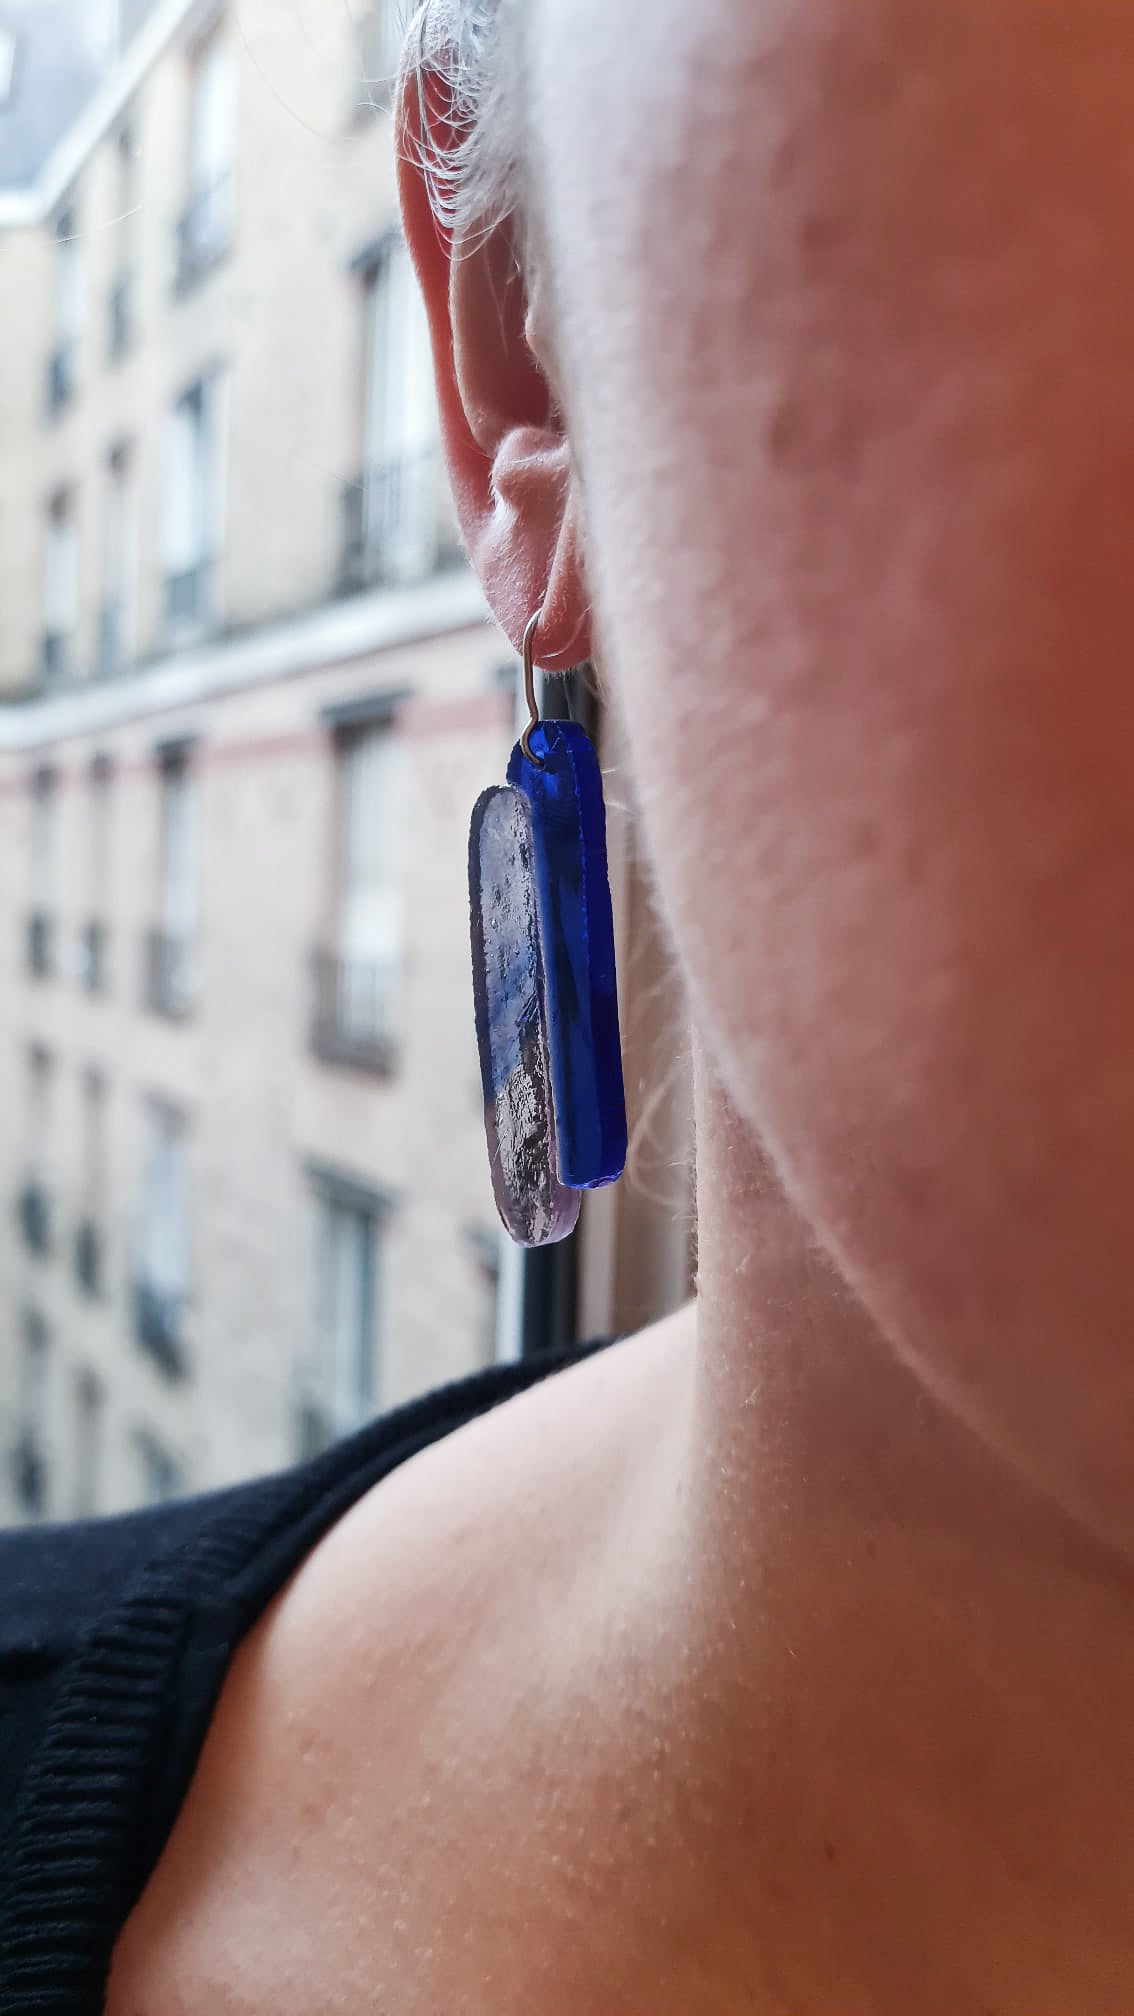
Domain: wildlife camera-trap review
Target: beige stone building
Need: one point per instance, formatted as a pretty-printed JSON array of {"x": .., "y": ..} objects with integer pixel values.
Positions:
[{"x": 249, "y": 694}]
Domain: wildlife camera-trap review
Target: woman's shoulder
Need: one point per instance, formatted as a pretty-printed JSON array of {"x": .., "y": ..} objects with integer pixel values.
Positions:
[
  {"x": 116, "y": 1639},
  {"x": 370, "y": 1805}
]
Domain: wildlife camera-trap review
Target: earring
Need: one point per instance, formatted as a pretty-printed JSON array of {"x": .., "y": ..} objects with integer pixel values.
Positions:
[{"x": 543, "y": 978}]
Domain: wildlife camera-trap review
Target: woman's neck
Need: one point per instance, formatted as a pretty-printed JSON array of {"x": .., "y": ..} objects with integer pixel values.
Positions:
[{"x": 916, "y": 1674}]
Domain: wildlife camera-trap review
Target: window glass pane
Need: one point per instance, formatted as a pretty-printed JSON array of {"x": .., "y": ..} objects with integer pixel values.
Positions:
[
  {"x": 178, "y": 894},
  {"x": 165, "y": 1206},
  {"x": 411, "y": 405},
  {"x": 160, "y": 1475},
  {"x": 40, "y": 1084},
  {"x": 212, "y": 115},
  {"x": 90, "y": 1400},
  {"x": 129, "y": 195},
  {"x": 98, "y": 837},
  {"x": 186, "y": 486},
  {"x": 373, "y": 782},
  {"x": 94, "y": 1139},
  {"x": 120, "y": 550},
  {"x": 42, "y": 842},
  {"x": 69, "y": 280},
  {"x": 34, "y": 1373},
  {"x": 61, "y": 582},
  {"x": 346, "y": 1313},
  {"x": 402, "y": 486},
  {"x": 401, "y": 406}
]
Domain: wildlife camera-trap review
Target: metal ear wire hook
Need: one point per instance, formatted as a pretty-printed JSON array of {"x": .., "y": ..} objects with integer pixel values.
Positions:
[{"x": 529, "y": 689}]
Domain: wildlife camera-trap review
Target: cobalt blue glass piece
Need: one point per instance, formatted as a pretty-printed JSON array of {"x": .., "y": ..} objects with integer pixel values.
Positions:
[
  {"x": 508, "y": 989},
  {"x": 563, "y": 788}
]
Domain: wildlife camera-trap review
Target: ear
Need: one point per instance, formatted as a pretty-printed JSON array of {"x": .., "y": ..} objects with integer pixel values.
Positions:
[{"x": 503, "y": 435}]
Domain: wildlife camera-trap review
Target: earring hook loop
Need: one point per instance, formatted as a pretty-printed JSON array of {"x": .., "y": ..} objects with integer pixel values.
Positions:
[{"x": 528, "y": 652}]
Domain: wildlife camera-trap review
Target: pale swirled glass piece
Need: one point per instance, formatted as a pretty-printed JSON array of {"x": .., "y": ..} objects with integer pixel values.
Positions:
[{"x": 508, "y": 988}]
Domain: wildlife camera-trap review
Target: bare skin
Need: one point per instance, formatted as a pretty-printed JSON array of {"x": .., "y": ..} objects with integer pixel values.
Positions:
[
  {"x": 780, "y": 1661},
  {"x": 704, "y": 1678}
]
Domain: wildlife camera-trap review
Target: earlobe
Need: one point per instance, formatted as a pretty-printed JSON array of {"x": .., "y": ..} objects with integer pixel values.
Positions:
[{"x": 505, "y": 445}]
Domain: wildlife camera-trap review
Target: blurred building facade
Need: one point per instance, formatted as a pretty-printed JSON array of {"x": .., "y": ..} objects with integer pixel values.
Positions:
[{"x": 247, "y": 697}]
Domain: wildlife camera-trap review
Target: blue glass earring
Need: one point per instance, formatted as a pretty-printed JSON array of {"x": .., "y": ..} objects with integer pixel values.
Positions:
[{"x": 544, "y": 980}]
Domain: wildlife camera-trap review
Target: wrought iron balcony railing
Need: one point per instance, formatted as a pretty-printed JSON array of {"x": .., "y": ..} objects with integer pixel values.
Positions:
[
  {"x": 120, "y": 319},
  {"x": 40, "y": 944},
  {"x": 351, "y": 1021},
  {"x": 62, "y": 378},
  {"x": 159, "y": 1327},
  {"x": 93, "y": 960},
  {"x": 204, "y": 232},
  {"x": 34, "y": 1213},
  {"x": 111, "y": 653},
  {"x": 168, "y": 974},
  {"x": 314, "y": 1429},
  {"x": 189, "y": 598},
  {"x": 397, "y": 525},
  {"x": 54, "y": 657},
  {"x": 88, "y": 1257},
  {"x": 29, "y": 1474}
]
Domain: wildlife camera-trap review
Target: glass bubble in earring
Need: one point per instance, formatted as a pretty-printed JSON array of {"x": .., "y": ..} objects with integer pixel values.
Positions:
[{"x": 543, "y": 978}]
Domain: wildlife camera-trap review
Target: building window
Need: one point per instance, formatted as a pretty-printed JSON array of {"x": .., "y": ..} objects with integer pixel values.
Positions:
[
  {"x": 63, "y": 366},
  {"x": 194, "y": 508},
  {"x": 337, "y": 1388},
  {"x": 90, "y": 1258},
  {"x": 160, "y": 1475},
  {"x": 35, "y": 1204},
  {"x": 162, "y": 1282},
  {"x": 357, "y": 975},
  {"x": 116, "y": 630},
  {"x": 484, "y": 1250},
  {"x": 127, "y": 208},
  {"x": 94, "y": 945},
  {"x": 90, "y": 1418},
  {"x": 29, "y": 1448},
  {"x": 60, "y": 589},
  {"x": 8, "y": 48},
  {"x": 169, "y": 944},
  {"x": 40, "y": 947},
  {"x": 396, "y": 526},
  {"x": 204, "y": 228}
]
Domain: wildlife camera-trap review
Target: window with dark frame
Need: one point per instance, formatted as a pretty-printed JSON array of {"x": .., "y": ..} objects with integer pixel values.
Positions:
[
  {"x": 9, "y": 49},
  {"x": 204, "y": 229},
  {"x": 161, "y": 1285},
  {"x": 90, "y": 1256},
  {"x": 193, "y": 515},
  {"x": 70, "y": 280},
  {"x": 43, "y": 814},
  {"x": 161, "y": 1474},
  {"x": 35, "y": 1209},
  {"x": 29, "y": 1453},
  {"x": 169, "y": 944},
  {"x": 117, "y": 611},
  {"x": 121, "y": 299},
  {"x": 90, "y": 1429},
  {"x": 60, "y": 590},
  {"x": 338, "y": 1381},
  {"x": 484, "y": 1248},
  {"x": 94, "y": 947},
  {"x": 358, "y": 969},
  {"x": 397, "y": 527}
]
